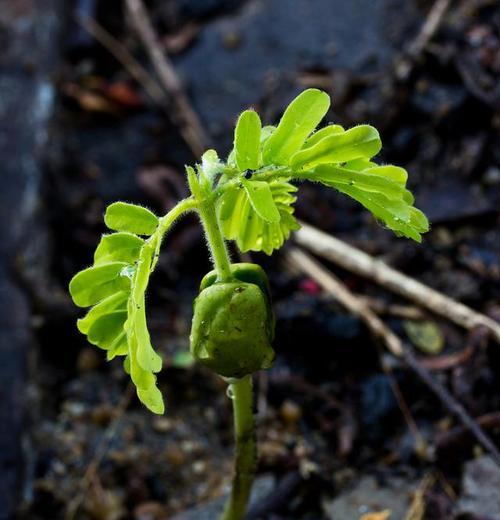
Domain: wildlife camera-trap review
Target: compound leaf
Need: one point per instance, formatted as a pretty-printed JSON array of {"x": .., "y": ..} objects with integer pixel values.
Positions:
[
  {"x": 240, "y": 221},
  {"x": 92, "y": 285},
  {"x": 362, "y": 141},
  {"x": 121, "y": 247},
  {"x": 121, "y": 216},
  {"x": 300, "y": 118},
  {"x": 247, "y": 141}
]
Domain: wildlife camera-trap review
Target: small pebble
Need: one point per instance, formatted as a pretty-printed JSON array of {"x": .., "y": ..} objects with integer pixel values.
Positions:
[
  {"x": 150, "y": 511},
  {"x": 88, "y": 360},
  {"x": 174, "y": 456},
  {"x": 163, "y": 424},
  {"x": 290, "y": 412}
]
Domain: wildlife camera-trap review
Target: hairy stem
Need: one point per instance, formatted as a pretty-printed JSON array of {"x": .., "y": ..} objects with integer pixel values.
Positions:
[
  {"x": 166, "y": 223},
  {"x": 215, "y": 240},
  {"x": 246, "y": 451}
]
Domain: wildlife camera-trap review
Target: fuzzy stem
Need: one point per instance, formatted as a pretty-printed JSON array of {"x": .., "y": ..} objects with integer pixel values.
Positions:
[
  {"x": 166, "y": 223},
  {"x": 246, "y": 451},
  {"x": 215, "y": 241}
]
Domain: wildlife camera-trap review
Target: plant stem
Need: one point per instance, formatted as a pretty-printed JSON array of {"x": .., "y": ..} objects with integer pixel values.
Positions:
[
  {"x": 166, "y": 223},
  {"x": 246, "y": 452},
  {"x": 215, "y": 240}
]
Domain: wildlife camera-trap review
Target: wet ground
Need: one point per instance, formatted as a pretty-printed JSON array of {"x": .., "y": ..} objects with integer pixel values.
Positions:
[{"x": 334, "y": 442}]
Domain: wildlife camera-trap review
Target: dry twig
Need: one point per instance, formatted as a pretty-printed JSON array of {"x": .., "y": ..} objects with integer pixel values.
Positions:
[
  {"x": 182, "y": 112},
  {"x": 356, "y": 261},
  {"x": 123, "y": 56},
  {"x": 305, "y": 263},
  {"x": 427, "y": 32}
]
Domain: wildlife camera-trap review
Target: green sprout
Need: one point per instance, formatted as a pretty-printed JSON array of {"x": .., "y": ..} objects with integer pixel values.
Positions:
[{"x": 249, "y": 198}]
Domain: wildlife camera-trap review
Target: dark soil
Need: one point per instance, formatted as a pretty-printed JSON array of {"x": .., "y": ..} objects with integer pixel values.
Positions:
[{"x": 331, "y": 429}]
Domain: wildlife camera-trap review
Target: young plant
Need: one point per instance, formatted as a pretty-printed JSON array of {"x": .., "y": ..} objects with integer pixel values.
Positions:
[{"x": 249, "y": 198}]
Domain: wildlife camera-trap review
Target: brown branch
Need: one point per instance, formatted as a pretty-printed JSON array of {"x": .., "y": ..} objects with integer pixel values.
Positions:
[
  {"x": 123, "y": 56},
  {"x": 182, "y": 111},
  {"x": 427, "y": 32},
  {"x": 308, "y": 265},
  {"x": 356, "y": 261}
]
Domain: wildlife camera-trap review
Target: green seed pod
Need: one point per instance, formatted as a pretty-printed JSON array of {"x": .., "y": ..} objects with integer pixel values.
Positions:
[{"x": 233, "y": 324}]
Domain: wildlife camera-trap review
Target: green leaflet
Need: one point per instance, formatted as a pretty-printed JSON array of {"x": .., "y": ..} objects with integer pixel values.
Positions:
[
  {"x": 247, "y": 140},
  {"x": 118, "y": 247},
  {"x": 240, "y": 221},
  {"x": 395, "y": 173},
  {"x": 321, "y": 134},
  {"x": 131, "y": 218},
  {"x": 362, "y": 141},
  {"x": 336, "y": 176},
  {"x": 106, "y": 331},
  {"x": 300, "y": 118},
  {"x": 92, "y": 285},
  {"x": 265, "y": 133},
  {"x": 117, "y": 301},
  {"x": 260, "y": 197}
]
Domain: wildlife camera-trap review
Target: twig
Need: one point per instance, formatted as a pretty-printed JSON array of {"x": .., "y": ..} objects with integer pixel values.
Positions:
[
  {"x": 454, "y": 406},
  {"x": 340, "y": 292},
  {"x": 356, "y": 261},
  {"x": 427, "y": 32},
  {"x": 183, "y": 114},
  {"x": 392, "y": 309},
  {"x": 417, "y": 508},
  {"x": 360, "y": 308},
  {"x": 100, "y": 453},
  {"x": 429, "y": 28},
  {"x": 123, "y": 56}
]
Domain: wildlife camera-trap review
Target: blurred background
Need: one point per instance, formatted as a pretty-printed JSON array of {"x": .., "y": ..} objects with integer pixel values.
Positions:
[{"x": 91, "y": 112}]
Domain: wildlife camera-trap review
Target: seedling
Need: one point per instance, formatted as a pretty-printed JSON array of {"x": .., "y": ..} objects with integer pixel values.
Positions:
[{"x": 249, "y": 198}]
